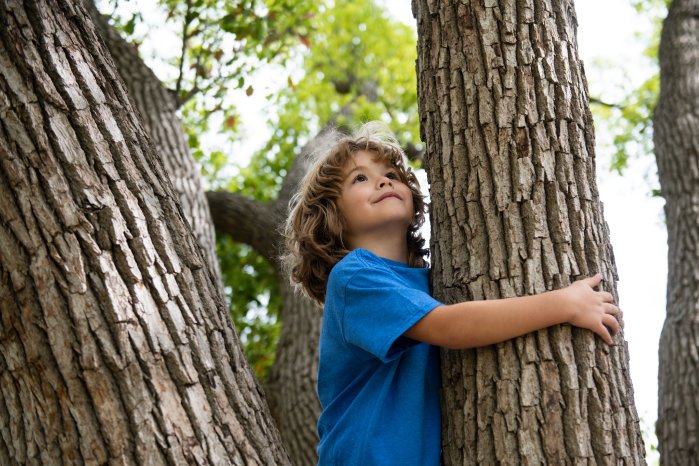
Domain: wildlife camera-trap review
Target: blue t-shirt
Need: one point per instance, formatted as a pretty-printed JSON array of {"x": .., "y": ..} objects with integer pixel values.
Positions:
[{"x": 379, "y": 390}]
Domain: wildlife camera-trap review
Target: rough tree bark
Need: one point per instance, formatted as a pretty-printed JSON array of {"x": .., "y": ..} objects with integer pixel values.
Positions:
[
  {"x": 115, "y": 343},
  {"x": 157, "y": 107},
  {"x": 291, "y": 384},
  {"x": 515, "y": 211},
  {"x": 676, "y": 137}
]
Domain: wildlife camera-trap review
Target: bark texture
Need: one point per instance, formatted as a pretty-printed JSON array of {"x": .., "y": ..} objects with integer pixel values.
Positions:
[
  {"x": 515, "y": 211},
  {"x": 115, "y": 343},
  {"x": 291, "y": 384},
  {"x": 676, "y": 133},
  {"x": 291, "y": 388},
  {"x": 157, "y": 107}
]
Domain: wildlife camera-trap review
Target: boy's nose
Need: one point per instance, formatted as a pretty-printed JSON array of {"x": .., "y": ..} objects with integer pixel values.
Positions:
[{"x": 384, "y": 182}]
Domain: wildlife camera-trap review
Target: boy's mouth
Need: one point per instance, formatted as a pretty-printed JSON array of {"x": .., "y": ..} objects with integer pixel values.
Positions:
[{"x": 387, "y": 195}]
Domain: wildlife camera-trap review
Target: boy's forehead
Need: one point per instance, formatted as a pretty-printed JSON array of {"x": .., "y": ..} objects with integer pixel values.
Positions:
[{"x": 364, "y": 158}]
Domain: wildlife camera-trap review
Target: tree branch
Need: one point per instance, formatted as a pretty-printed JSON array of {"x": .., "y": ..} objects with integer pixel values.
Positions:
[
  {"x": 246, "y": 221},
  {"x": 595, "y": 100},
  {"x": 185, "y": 39}
]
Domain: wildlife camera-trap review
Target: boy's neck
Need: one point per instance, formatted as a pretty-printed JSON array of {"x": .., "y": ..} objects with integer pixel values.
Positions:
[{"x": 395, "y": 249}]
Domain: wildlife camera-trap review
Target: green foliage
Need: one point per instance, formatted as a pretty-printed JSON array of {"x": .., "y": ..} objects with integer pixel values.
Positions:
[
  {"x": 226, "y": 42},
  {"x": 252, "y": 291},
  {"x": 124, "y": 22},
  {"x": 220, "y": 44},
  {"x": 357, "y": 57},
  {"x": 632, "y": 123},
  {"x": 630, "y": 119}
]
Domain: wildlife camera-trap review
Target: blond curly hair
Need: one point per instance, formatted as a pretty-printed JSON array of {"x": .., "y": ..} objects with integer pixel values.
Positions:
[{"x": 314, "y": 228}]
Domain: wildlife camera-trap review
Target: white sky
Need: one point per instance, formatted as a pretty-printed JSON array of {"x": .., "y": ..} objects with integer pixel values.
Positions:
[{"x": 612, "y": 55}]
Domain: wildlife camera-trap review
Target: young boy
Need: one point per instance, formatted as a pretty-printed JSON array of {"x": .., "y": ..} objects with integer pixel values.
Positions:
[{"x": 354, "y": 244}]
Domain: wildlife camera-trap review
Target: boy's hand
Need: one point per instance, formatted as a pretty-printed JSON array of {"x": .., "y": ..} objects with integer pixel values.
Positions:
[{"x": 590, "y": 309}]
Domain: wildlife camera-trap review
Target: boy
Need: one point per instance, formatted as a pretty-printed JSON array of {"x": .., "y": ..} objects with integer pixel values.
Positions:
[{"x": 354, "y": 245}]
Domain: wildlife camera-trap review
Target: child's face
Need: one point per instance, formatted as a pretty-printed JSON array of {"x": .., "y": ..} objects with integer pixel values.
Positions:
[{"x": 374, "y": 201}]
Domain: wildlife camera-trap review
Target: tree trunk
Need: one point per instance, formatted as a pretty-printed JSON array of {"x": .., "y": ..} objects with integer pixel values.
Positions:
[
  {"x": 291, "y": 385},
  {"x": 115, "y": 343},
  {"x": 515, "y": 211},
  {"x": 676, "y": 135},
  {"x": 291, "y": 388},
  {"x": 157, "y": 107}
]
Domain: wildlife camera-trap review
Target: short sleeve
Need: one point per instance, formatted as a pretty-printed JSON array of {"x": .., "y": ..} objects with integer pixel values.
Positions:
[{"x": 379, "y": 308}]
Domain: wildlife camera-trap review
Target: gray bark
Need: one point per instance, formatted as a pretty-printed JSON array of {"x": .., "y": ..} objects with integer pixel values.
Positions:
[
  {"x": 515, "y": 211},
  {"x": 115, "y": 343},
  {"x": 291, "y": 383},
  {"x": 157, "y": 107},
  {"x": 291, "y": 390},
  {"x": 676, "y": 135}
]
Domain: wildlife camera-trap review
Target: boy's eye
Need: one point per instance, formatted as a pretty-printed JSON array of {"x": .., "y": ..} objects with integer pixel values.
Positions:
[
  {"x": 359, "y": 178},
  {"x": 392, "y": 175}
]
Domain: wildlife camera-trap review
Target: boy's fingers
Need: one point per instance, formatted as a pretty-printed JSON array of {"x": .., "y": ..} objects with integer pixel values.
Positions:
[
  {"x": 594, "y": 280},
  {"x": 607, "y": 297},
  {"x": 610, "y": 308},
  {"x": 611, "y": 323},
  {"x": 603, "y": 332}
]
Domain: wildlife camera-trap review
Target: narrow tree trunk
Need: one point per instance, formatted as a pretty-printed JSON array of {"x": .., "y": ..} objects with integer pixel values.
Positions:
[
  {"x": 515, "y": 211},
  {"x": 291, "y": 385},
  {"x": 115, "y": 344},
  {"x": 676, "y": 133}
]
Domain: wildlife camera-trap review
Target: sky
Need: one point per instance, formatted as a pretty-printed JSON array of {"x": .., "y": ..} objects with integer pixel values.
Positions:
[{"x": 612, "y": 55}]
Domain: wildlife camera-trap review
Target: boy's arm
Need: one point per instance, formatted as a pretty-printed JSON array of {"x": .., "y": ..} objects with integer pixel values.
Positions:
[{"x": 479, "y": 323}]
